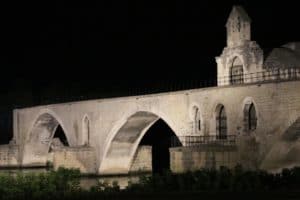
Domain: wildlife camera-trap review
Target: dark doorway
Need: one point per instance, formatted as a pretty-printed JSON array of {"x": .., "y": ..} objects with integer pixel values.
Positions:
[
  {"x": 161, "y": 137},
  {"x": 60, "y": 134}
]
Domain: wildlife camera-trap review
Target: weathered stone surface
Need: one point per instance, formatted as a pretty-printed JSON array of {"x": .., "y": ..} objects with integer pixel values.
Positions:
[
  {"x": 82, "y": 158},
  {"x": 109, "y": 117},
  {"x": 9, "y": 156},
  {"x": 142, "y": 161},
  {"x": 190, "y": 158}
]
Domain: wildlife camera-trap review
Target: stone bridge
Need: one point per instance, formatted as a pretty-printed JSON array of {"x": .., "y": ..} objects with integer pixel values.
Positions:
[
  {"x": 104, "y": 134},
  {"x": 257, "y": 101}
]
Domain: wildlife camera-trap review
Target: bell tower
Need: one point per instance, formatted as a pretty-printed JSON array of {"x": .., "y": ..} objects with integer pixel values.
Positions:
[
  {"x": 242, "y": 56},
  {"x": 238, "y": 27}
]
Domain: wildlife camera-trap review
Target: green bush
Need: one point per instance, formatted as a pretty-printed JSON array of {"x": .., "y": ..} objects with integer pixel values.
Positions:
[
  {"x": 224, "y": 179},
  {"x": 64, "y": 184},
  {"x": 38, "y": 185}
]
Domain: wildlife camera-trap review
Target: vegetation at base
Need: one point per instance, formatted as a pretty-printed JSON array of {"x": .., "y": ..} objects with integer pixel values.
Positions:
[
  {"x": 39, "y": 185},
  {"x": 64, "y": 184},
  {"x": 224, "y": 179}
]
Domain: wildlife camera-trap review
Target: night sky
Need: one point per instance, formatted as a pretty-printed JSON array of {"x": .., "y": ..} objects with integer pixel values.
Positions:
[
  {"x": 59, "y": 51},
  {"x": 137, "y": 42},
  {"x": 104, "y": 45}
]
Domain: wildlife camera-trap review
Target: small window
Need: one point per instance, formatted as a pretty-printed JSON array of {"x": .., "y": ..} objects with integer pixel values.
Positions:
[
  {"x": 199, "y": 125},
  {"x": 250, "y": 117},
  {"x": 221, "y": 121},
  {"x": 86, "y": 131},
  {"x": 196, "y": 120}
]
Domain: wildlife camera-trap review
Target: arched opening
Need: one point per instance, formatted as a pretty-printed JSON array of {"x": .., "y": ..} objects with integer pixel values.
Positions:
[
  {"x": 160, "y": 137},
  {"x": 221, "y": 122},
  {"x": 236, "y": 71},
  {"x": 250, "y": 118},
  {"x": 85, "y": 131},
  {"x": 123, "y": 149},
  {"x": 59, "y": 139},
  {"x": 46, "y": 134},
  {"x": 60, "y": 135}
]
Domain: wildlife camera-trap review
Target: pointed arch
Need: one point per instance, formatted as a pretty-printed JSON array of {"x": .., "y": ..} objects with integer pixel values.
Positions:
[
  {"x": 236, "y": 71},
  {"x": 160, "y": 138},
  {"x": 85, "y": 138},
  {"x": 250, "y": 117},
  {"x": 221, "y": 122},
  {"x": 60, "y": 136},
  {"x": 41, "y": 137},
  {"x": 121, "y": 149},
  {"x": 196, "y": 120}
]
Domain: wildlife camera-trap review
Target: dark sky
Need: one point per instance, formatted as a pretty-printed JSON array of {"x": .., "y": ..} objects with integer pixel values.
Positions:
[
  {"x": 113, "y": 42},
  {"x": 57, "y": 51}
]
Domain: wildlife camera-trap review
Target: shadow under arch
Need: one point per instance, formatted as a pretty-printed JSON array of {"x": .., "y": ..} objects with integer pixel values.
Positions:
[
  {"x": 36, "y": 149},
  {"x": 123, "y": 146}
]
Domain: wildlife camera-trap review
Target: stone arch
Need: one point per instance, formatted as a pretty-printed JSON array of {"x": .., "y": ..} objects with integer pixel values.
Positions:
[
  {"x": 221, "y": 122},
  {"x": 236, "y": 71},
  {"x": 85, "y": 136},
  {"x": 122, "y": 147},
  {"x": 233, "y": 58},
  {"x": 40, "y": 138}
]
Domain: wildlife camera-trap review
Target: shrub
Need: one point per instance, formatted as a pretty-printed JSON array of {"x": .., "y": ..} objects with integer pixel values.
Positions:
[{"x": 64, "y": 184}]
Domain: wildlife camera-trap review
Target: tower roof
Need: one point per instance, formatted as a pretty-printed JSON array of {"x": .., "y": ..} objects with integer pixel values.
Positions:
[{"x": 238, "y": 11}]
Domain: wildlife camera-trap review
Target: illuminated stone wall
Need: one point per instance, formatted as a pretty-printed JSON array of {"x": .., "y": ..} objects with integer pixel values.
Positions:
[
  {"x": 184, "y": 159},
  {"x": 82, "y": 158},
  {"x": 9, "y": 156},
  {"x": 114, "y": 127},
  {"x": 142, "y": 161},
  {"x": 118, "y": 124}
]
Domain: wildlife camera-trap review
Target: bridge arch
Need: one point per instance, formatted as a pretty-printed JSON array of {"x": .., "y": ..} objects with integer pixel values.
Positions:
[
  {"x": 121, "y": 148},
  {"x": 45, "y": 127}
]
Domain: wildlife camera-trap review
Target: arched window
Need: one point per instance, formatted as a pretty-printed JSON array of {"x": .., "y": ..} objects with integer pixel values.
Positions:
[
  {"x": 196, "y": 120},
  {"x": 250, "y": 117},
  {"x": 221, "y": 121},
  {"x": 236, "y": 71},
  {"x": 86, "y": 131}
]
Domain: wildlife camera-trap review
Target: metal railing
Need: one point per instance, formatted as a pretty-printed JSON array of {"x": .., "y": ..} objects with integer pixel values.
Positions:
[
  {"x": 269, "y": 75},
  {"x": 70, "y": 94},
  {"x": 196, "y": 141}
]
